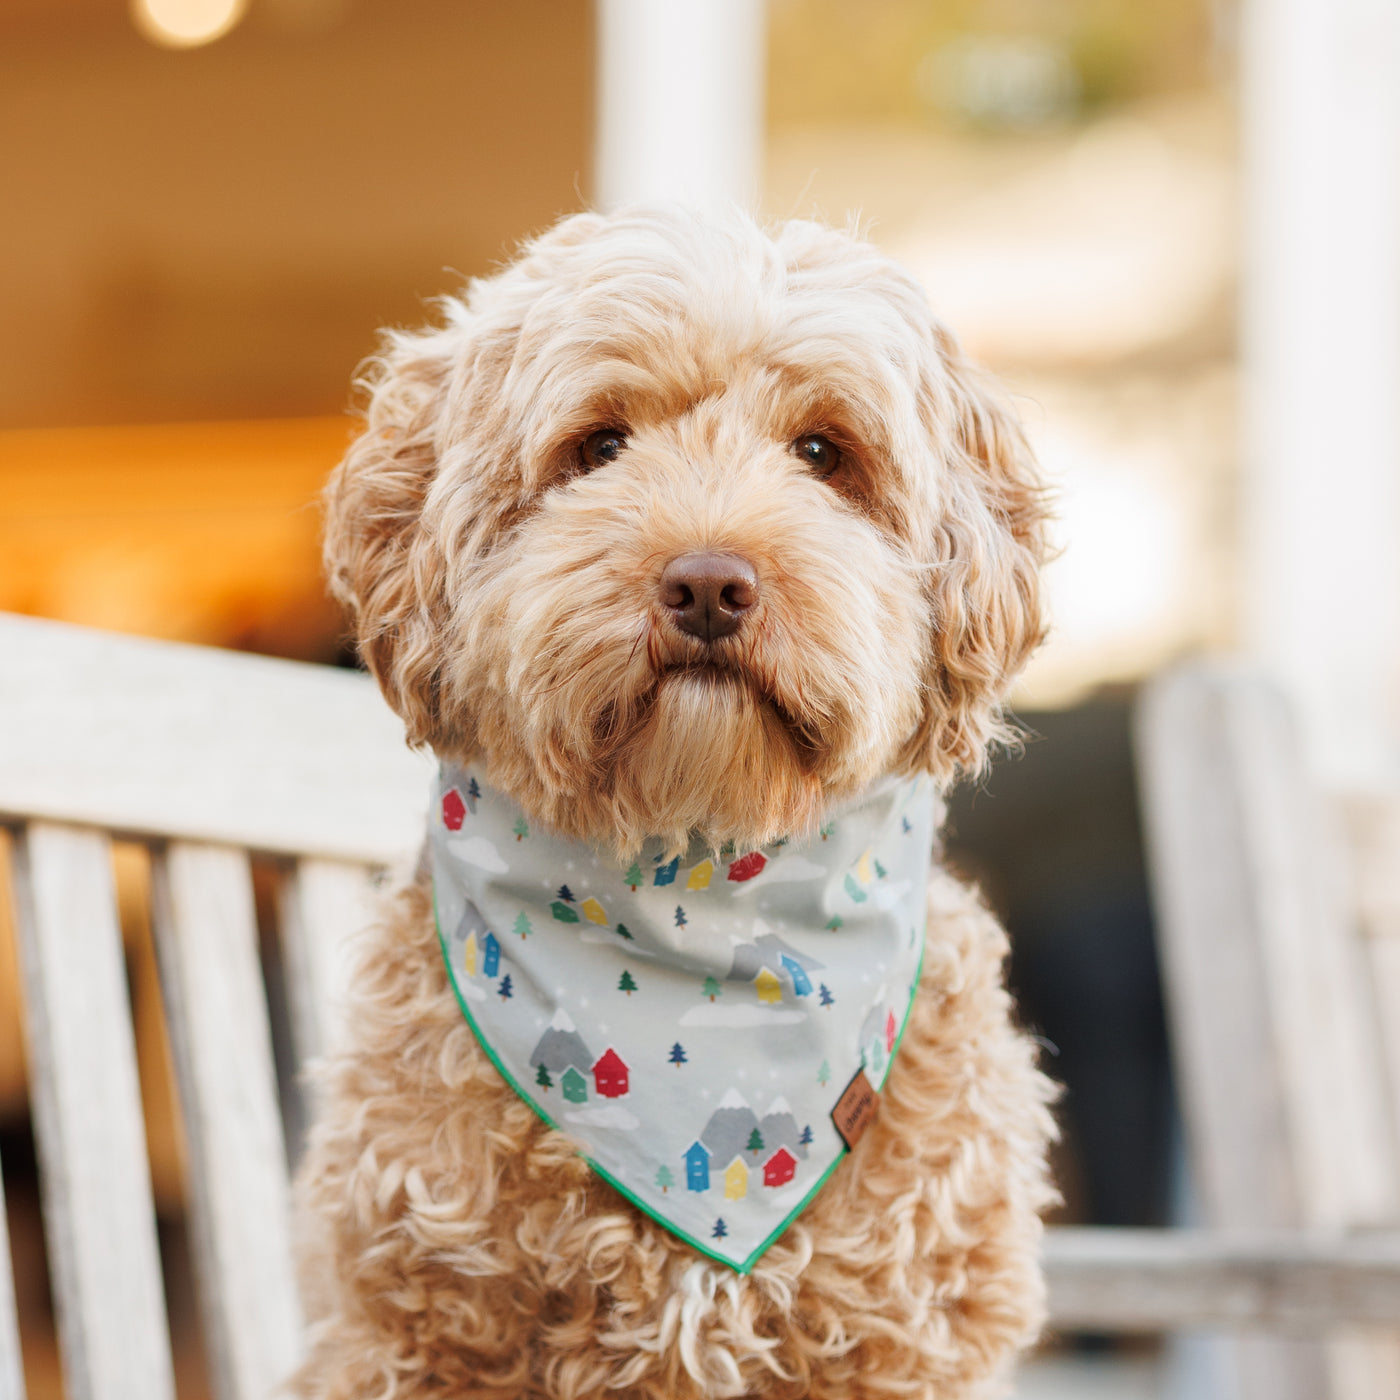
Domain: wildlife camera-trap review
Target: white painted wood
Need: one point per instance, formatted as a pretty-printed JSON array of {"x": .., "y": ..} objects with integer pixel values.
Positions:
[
  {"x": 1373, "y": 828},
  {"x": 206, "y": 939},
  {"x": 1268, "y": 993},
  {"x": 680, "y": 101},
  {"x": 1326, "y": 1042},
  {"x": 1232, "y": 1099},
  {"x": 325, "y": 905},
  {"x": 1222, "y": 1034},
  {"x": 158, "y": 738},
  {"x": 1149, "y": 1280},
  {"x": 11, "y": 1363},
  {"x": 1320, "y": 330},
  {"x": 88, "y": 1124}
]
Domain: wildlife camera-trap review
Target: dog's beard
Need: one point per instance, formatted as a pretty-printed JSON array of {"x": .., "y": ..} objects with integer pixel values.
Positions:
[{"x": 709, "y": 750}]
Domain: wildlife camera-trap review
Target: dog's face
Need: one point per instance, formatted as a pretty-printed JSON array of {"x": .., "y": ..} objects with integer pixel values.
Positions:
[{"x": 688, "y": 527}]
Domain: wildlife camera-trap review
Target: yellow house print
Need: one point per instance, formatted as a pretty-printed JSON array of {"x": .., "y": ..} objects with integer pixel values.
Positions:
[
  {"x": 769, "y": 988},
  {"x": 469, "y": 955},
  {"x": 700, "y": 876},
  {"x": 736, "y": 1180},
  {"x": 863, "y": 871},
  {"x": 594, "y": 912}
]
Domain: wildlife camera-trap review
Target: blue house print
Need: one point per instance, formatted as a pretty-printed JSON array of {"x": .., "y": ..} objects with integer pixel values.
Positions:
[
  {"x": 666, "y": 874},
  {"x": 801, "y": 983},
  {"x": 697, "y": 1167},
  {"x": 493, "y": 955}
]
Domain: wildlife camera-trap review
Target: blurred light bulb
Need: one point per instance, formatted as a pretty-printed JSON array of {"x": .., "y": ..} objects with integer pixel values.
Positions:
[{"x": 183, "y": 24}]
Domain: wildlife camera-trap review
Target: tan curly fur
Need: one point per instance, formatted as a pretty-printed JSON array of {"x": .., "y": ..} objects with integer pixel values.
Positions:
[{"x": 507, "y": 601}]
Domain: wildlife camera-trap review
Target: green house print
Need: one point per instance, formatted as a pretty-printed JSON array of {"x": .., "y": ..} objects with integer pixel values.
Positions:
[{"x": 574, "y": 1085}]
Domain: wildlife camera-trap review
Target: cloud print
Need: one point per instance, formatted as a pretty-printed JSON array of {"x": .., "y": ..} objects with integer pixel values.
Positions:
[
  {"x": 717, "y": 1014},
  {"x": 611, "y": 1116},
  {"x": 477, "y": 851},
  {"x": 887, "y": 896},
  {"x": 784, "y": 871}
]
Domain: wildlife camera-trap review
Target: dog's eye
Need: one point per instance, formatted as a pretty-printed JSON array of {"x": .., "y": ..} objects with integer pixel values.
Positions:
[
  {"x": 819, "y": 453},
  {"x": 605, "y": 445}
]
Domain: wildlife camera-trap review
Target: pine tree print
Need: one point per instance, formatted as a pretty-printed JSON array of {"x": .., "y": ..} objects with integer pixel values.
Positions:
[
  {"x": 824, "y": 1074},
  {"x": 626, "y": 983},
  {"x": 633, "y": 876},
  {"x": 880, "y": 871},
  {"x": 543, "y": 1079},
  {"x": 564, "y": 893},
  {"x": 837, "y": 923},
  {"x": 664, "y": 1179},
  {"x": 523, "y": 925},
  {"x": 907, "y": 827},
  {"x": 473, "y": 792},
  {"x": 806, "y": 1138},
  {"x": 505, "y": 990},
  {"x": 521, "y": 828},
  {"x": 626, "y": 933},
  {"x": 828, "y": 830},
  {"x": 824, "y": 995},
  {"x": 677, "y": 1055},
  {"x": 681, "y": 920},
  {"x": 720, "y": 1230},
  {"x": 755, "y": 1142},
  {"x": 711, "y": 989}
]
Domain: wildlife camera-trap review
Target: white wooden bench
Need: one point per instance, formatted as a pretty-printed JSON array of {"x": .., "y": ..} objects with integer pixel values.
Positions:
[{"x": 208, "y": 758}]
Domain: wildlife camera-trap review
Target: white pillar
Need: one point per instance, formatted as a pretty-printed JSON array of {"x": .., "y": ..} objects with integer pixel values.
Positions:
[
  {"x": 1321, "y": 361},
  {"x": 680, "y": 101}
]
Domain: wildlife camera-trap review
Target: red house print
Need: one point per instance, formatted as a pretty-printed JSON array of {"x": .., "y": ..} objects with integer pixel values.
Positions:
[
  {"x": 610, "y": 1074},
  {"x": 746, "y": 867},
  {"x": 453, "y": 809},
  {"x": 891, "y": 1033},
  {"x": 778, "y": 1169}
]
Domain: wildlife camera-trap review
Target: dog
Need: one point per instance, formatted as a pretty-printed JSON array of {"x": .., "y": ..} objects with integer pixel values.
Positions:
[{"x": 679, "y": 536}]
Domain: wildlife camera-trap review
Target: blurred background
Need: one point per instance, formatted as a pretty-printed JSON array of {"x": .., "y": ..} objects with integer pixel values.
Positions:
[{"x": 212, "y": 206}]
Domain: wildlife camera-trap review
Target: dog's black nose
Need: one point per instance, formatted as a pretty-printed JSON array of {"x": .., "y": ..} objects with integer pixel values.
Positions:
[{"x": 708, "y": 594}]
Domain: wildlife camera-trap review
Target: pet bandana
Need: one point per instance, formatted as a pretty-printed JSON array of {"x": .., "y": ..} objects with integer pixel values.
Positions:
[{"x": 712, "y": 1029}]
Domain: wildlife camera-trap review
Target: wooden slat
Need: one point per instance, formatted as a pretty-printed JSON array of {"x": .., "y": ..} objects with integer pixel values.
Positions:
[
  {"x": 11, "y": 1363},
  {"x": 87, "y": 1117},
  {"x": 1373, "y": 826},
  {"x": 1155, "y": 1280},
  {"x": 1212, "y": 959},
  {"x": 203, "y": 744},
  {"x": 325, "y": 903},
  {"x": 1271, "y": 1015},
  {"x": 206, "y": 938},
  {"x": 1232, "y": 1100}
]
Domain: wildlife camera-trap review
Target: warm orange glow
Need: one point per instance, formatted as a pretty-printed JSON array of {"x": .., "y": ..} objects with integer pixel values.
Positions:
[
  {"x": 204, "y": 532},
  {"x": 184, "y": 24}
]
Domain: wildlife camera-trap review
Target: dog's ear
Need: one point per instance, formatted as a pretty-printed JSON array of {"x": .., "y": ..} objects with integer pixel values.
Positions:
[
  {"x": 380, "y": 561},
  {"x": 988, "y": 545}
]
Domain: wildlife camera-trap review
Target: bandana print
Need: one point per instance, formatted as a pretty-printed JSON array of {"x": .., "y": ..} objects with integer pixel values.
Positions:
[{"x": 691, "y": 1022}]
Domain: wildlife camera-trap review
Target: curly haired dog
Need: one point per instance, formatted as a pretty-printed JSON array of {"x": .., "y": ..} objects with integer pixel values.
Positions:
[{"x": 859, "y": 529}]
